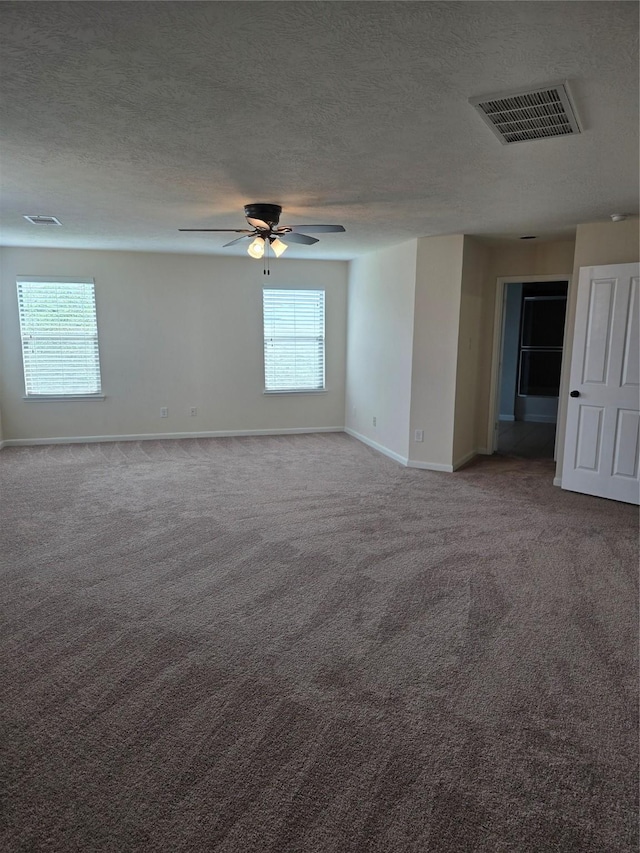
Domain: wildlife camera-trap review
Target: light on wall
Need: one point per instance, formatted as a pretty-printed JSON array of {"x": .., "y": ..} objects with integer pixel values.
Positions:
[{"x": 256, "y": 249}]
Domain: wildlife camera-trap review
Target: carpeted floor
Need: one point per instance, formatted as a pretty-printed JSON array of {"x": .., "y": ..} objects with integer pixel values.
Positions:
[{"x": 294, "y": 644}]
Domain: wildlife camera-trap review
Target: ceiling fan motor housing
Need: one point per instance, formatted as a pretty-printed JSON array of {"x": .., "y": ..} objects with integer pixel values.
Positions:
[{"x": 269, "y": 213}]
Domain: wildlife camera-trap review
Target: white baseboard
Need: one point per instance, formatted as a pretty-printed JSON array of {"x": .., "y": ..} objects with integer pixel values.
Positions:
[
  {"x": 557, "y": 481},
  {"x": 2, "y": 444},
  {"x": 91, "y": 439},
  {"x": 379, "y": 447},
  {"x": 436, "y": 466},
  {"x": 506, "y": 417},
  {"x": 429, "y": 466},
  {"x": 412, "y": 463}
]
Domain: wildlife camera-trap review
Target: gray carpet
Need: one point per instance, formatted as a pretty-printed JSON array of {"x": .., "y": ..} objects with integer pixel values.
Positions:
[{"x": 294, "y": 644}]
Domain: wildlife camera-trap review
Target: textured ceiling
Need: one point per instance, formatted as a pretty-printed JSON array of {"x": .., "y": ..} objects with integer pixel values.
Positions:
[{"x": 130, "y": 120}]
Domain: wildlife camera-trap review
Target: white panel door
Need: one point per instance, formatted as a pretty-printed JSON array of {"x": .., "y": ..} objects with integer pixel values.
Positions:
[{"x": 602, "y": 442}]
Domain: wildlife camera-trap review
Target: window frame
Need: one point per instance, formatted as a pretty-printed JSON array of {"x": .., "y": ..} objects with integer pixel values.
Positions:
[
  {"x": 22, "y": 280},
  {"x": 296, "y": 289}
]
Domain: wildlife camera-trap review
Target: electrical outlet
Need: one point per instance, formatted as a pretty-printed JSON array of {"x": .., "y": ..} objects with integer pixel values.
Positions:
[
  {"x": 193, "y": 411},
  {"x": 419, "y": 435},
  {"x": 164, "y": 412},
  {"x": 375, "y": 421}
]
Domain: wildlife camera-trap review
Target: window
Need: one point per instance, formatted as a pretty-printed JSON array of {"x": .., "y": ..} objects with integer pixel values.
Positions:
[
  {"x": 293, "y": 340},
  {"x": 541, "y": 336},
  {"x": 59, "y": 337}
]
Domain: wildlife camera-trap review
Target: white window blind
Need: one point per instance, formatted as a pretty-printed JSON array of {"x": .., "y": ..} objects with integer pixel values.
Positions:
[
  {"x": 293, "y": 340},
  {"x": 59, "y": 337}
]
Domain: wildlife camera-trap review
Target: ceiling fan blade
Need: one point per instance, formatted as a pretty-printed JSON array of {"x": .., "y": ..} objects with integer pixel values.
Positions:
[
  {"x": 297, "y": 238},
  {"x": 258, "y": 223},
  {"x": 319, "y": 229},
  {"x": 228, "y": 230},
  {"x": 237, "y": 240}
]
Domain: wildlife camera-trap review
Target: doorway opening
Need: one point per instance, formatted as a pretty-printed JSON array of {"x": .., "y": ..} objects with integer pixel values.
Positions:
[{"x": 528, "y": 380}]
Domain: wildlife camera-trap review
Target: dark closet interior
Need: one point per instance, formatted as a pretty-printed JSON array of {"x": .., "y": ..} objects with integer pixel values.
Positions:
[{"x": 531, "y": 364}]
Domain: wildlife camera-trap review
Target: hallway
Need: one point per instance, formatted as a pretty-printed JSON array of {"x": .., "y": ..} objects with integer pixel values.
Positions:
[{"x": 526, "y": 439}]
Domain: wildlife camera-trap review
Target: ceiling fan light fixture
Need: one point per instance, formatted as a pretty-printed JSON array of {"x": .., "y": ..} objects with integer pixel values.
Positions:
[
  {"x": 279, "y": 248},
  {"x": 256, "y": 248}
]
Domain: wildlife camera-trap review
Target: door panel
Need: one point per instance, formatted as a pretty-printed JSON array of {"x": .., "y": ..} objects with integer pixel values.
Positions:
[
  {"x": 625, "y": 453},
  {"x": 602, "y": 439},
  {"x": 589, "y": 438},
  {"x": 631, "y": 360},
  {"x": 596, "y": 356}
]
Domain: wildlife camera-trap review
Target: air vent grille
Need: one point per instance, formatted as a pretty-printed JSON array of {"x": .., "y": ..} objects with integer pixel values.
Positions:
[
  {"x": 537, "y": 114},
  {"x": 42, "y": 220}
]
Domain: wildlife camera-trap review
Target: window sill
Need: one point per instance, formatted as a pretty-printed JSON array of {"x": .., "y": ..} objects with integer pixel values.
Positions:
[
  {"x": 62, "y": 398},
  {"x": 297, "y": 391}
]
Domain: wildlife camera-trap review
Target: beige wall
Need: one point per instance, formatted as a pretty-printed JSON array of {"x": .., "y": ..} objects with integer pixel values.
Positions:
[
  {"x": 184, "y": 330},
  {"x": 402, "y": 346},
  {"x": 453, "y": 337},
  {"x": 175, "y": 331},
  {"x": 509, "y": 259},
  {"x": 435, "y": 348},
  {"x": 468, "y": 390},
  {"x": 379, "y": 347},
  {"x": 453, "y": 327},
  {"x": 597, "y": 243}
]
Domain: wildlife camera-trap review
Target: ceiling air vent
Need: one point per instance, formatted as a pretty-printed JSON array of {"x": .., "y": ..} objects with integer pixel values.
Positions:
[
  {"x": 535, "y": 114},
  {"x": 43, "y": 220}
]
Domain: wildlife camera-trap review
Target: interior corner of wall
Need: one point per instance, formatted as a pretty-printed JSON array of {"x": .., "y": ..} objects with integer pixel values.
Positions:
[{"x": 464, "y": 460}]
